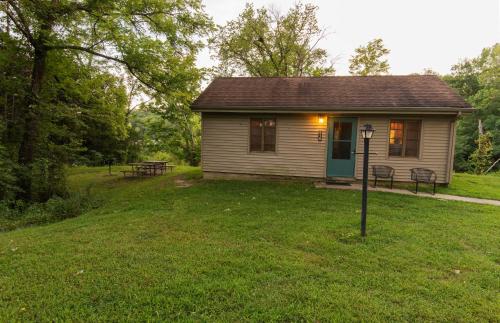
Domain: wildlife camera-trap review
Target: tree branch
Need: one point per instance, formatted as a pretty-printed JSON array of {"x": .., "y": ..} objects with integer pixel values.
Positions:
[
  {"x": 129, "y": 67},
  {"x": 88, "y": 50},
  {"x": 132, "y": 108},
  {"x": 19, "y": 21},
  {"x": 264, "y": 49}
]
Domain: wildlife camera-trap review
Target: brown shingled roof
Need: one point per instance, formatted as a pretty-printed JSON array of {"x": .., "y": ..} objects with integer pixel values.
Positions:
[{"x": 328, "y": 94}]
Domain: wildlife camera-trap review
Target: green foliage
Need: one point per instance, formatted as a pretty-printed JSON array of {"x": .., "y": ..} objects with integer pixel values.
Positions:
[
  {"x": 482, "y": 158},
  {"x": 8, "y": 187},
  {"x": 83, "y": 112},
  {"x": 63, "y": 100},
  {"x": 163, "y": 155},
  {"x": 173, "y": 130},
  {"x": 478, "y": 80},
  {"x": 184, "y": 133},
  {"x": 368, "y": 60},
  {"x": 264, "y": 42},
  {"x": 14, "y": 84},
  {"x": 48, "y": 179},
  {"x": 147, "y": 135},
  {"x": 55, "y": 209},
  {"x": 155, "y": 40}
]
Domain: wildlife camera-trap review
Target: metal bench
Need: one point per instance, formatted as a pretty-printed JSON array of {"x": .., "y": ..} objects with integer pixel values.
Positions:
[
  {"x": 423, "y": 175},
  {"x": 382, "y": 171}
]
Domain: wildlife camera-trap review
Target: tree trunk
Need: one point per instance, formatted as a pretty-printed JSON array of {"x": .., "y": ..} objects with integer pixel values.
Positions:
[
  {"x": 189, "y": 138},
  {"x": 32, "y": 115},
  {"x": 481, "y": 132},
  {"x": 7, "y": 27}
]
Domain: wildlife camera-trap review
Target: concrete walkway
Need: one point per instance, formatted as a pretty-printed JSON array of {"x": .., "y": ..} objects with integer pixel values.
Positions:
[{"x": 358, "y": 187}]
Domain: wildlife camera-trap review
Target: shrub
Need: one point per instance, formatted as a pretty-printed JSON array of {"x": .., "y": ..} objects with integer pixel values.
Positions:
[
  {"x": 17, "y": 214},
  {"x": 482, "y": 157},
  {"x": 162, "y": 155}
]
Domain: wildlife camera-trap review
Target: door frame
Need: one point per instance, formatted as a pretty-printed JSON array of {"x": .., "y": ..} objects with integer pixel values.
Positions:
[{"x": 329, "y": 144}]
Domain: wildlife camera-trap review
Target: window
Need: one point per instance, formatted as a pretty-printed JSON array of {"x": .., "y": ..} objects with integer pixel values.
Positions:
[
  {"x": 404, "y": 138},
  {"x": 342, "y": 133},
  {"x": 262, "y": 134}
]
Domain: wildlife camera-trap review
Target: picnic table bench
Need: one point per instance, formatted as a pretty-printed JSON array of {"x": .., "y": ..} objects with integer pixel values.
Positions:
[{"x": 148, "y": 168}]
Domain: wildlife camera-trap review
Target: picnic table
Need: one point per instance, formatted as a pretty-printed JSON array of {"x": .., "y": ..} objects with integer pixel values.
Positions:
[{"x": 148, "y": 168}]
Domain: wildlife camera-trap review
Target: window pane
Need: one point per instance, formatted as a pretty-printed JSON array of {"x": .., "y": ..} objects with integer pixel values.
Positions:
[
  {"x": 411, "y": 149},
  {"x": 342, "y": 130},
  {"x": 269, "y": 147},
  {"x": 395, "y": 150},
  {"x": 256, "y": 134},
  {"x": 270, "y": 135},
  {"x": 412, "y": 130},
  {"x": 412, "y": 138},
  {"x": 396, "y": 138},
  {"x": 341, "y": 150},
  {"x": 270, "y": 123}
]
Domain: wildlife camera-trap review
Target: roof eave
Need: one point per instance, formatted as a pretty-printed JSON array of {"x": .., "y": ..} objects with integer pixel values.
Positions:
[{"x": 364, "y": 110}]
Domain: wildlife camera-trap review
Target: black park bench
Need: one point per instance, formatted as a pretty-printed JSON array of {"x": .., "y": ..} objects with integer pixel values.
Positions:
[
  {"x": 382, "y": 171},
  {"x": 423, "y": 175}
]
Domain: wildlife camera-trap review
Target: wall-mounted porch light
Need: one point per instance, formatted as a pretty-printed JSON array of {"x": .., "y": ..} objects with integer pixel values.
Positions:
[{"x": 321, "y": 121}]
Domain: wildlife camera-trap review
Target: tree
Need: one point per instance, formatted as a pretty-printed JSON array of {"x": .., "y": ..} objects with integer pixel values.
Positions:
[
  {"x": 368, "y": 60},
  {"x": 478, "y": 81},
  {"x": 429, "y": 71},
  {"x": 159, "y": 125},
  {"x": 8, "y": 185},
  {"x": 264, "y": 42},
  {"x": 481, "y": 158},
  {"x": 103, "y": 115},
  {"x": 136, "y": 100},
  {"x": 82, "y": 119},
  {"x": 181, "y": 127},
  {"x": 155, "y": 41},
  {"x": 14, "y": 85}
]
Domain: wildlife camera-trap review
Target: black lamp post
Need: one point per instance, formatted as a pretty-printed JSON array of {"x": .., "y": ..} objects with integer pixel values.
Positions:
[{"x": 367, "y": 133}]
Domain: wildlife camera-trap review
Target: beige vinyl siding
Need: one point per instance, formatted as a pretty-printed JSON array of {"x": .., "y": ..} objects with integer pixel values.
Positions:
[
  {"x": 225, "y": 146},
  {"x": 435, "y": 141}
]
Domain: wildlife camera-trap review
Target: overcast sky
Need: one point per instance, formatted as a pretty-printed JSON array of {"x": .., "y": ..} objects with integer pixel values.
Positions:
[{"x": 420, "y": 33}]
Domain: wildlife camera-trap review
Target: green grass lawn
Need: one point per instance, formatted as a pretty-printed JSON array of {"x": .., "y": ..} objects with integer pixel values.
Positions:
[
  {"x": 252, "y": 251},
  {"x": 462, "y": 184},
  {"x": 483, "y": 186}
]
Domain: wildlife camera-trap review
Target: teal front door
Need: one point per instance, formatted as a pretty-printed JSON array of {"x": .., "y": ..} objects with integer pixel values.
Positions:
[{"x": 341, "y": 157}]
